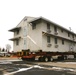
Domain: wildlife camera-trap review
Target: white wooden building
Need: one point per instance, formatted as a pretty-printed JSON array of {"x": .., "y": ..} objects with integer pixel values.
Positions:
[{"x": 42, "y": 34}]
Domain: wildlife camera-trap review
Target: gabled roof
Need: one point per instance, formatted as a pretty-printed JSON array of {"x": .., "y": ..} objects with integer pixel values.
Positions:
[
  {"x": 42, "y": 18},
  {"x": 15, "y": 29}
]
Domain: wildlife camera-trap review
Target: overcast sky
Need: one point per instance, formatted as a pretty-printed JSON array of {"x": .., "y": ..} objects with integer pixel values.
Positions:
[{"x": 62, "y": 12}]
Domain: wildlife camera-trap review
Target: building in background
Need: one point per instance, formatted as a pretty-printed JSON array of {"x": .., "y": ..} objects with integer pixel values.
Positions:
[{"x": 42, "y": 34}]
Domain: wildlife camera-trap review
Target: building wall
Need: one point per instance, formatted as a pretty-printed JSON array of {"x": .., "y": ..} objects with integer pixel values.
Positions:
[
  {"x": 61, "y": 48},
  {"x": 60, "y": 33},
  {"x": 35, "y": 37},
  {"x": 23, "y": 34},
  {"x": 36, "y": 40}
]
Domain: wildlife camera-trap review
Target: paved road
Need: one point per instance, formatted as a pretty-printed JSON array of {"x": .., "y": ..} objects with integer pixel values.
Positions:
[
  {"x": 45, "y": 72},
  {"x": 29, "y": 68}
]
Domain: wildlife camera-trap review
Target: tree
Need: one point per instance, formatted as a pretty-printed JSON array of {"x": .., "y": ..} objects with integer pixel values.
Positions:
[{"x": 8, "y": 47}]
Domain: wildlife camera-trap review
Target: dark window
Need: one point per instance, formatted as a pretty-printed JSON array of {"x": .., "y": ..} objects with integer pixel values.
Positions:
[
  {"x": 62, "y": 42},
  {"x": 48, "y": 39},
  {"x": 48, "y": 26},
  {"x": 17, "y": 31},
  {"x": 62, "y": 30},
  {"x": 17, "y": 42},
  {"x": 73, "y": 44},
  {"x": 56, "y": 41},
  {"x": 73, "y": 35},
  {"x": 68, "y": 34},
  {"x": 55, "y": 28},
  {"x": 34, "y": 26}
]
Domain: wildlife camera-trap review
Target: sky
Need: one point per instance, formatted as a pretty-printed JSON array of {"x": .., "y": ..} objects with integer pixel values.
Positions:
[{"x": 62, "y": 12}]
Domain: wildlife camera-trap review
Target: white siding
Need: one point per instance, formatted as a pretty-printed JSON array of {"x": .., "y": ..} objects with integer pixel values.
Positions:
[
  {"x": 36, "y": 40},
  {"x": 23, "y": 34},
  {"x": 60, "y": 48},
  {"x": 35, "y": 37}
]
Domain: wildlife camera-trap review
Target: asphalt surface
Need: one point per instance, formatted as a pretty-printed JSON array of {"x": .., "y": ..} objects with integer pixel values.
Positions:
[
  {"x": 31, "y": 68},
  {"x": 45, "y": 72}
]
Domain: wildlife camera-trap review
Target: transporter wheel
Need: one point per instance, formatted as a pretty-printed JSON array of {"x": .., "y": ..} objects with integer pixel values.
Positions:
[
  {"x": 65, "y": 58},
  {"x": 46, "y": 59},
  {"x": 41, "y": 59},
  {"x": 51, "y": 59},
  {"x": 32, "y": 59}
]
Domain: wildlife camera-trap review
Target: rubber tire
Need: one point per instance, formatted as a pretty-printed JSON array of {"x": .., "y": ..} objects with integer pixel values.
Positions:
[
  {"x": 65, "y": 58},
  {"x": 41, "y": 59},
  {"x": 51, "y": 59},
  {"x": 46, "y": 59}
]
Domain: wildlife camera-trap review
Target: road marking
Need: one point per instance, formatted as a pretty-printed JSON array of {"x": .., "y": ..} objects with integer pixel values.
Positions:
[
  {"x": 24, "y": 69},
  {"x": 65, "y": 69},
  {"x": 20, "y": 70},
  {"x": 37, "y": 66}
]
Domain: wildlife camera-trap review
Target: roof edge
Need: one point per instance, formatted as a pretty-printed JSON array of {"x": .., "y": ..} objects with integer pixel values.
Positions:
[{"x": 51, "y": 22}]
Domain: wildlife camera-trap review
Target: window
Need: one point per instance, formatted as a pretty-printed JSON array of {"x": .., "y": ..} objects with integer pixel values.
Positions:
[
  {"x": 55, "y": 28},
  {"x": 48, "y": 39},
  {"x": 56, "y": 41},
  {"x": 62, "y": 42},
  {"x": 34, "y": 26},
  {"x": 73, "y": 44},
  {"x": 17, "y": 31},
  {"x": 73, "y": 35},
  {"x": 17, "y": 42},
  {"x": 48, "y": 26},
  {"x": 68, "y": 34},
  {"x": 62, "y": 30}
]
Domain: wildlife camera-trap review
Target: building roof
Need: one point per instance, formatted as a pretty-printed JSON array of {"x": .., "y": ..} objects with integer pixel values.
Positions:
[
  {"x": 15, "y": 29},
  {"x": 42, "y": 18},
  {"x": 15, "y": 38}
]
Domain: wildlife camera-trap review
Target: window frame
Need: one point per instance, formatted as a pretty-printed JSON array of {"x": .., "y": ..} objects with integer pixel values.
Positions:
[
  {"x": 56, "y": 40},
  {"x": 48, "y": 26},
  {"x": 68, "y": 34},
  {"x": 17, "y": 32},
  {"x": 48, "y": 39},
  {"x": 62, "y": 41},
  {"x": 17, "y": 42},
  {"x": 62, "y": 30},
  {"x": 55, "y": 29},
  {"x": 73, "y": 36},
  {"x": 33, "y": 26}
]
